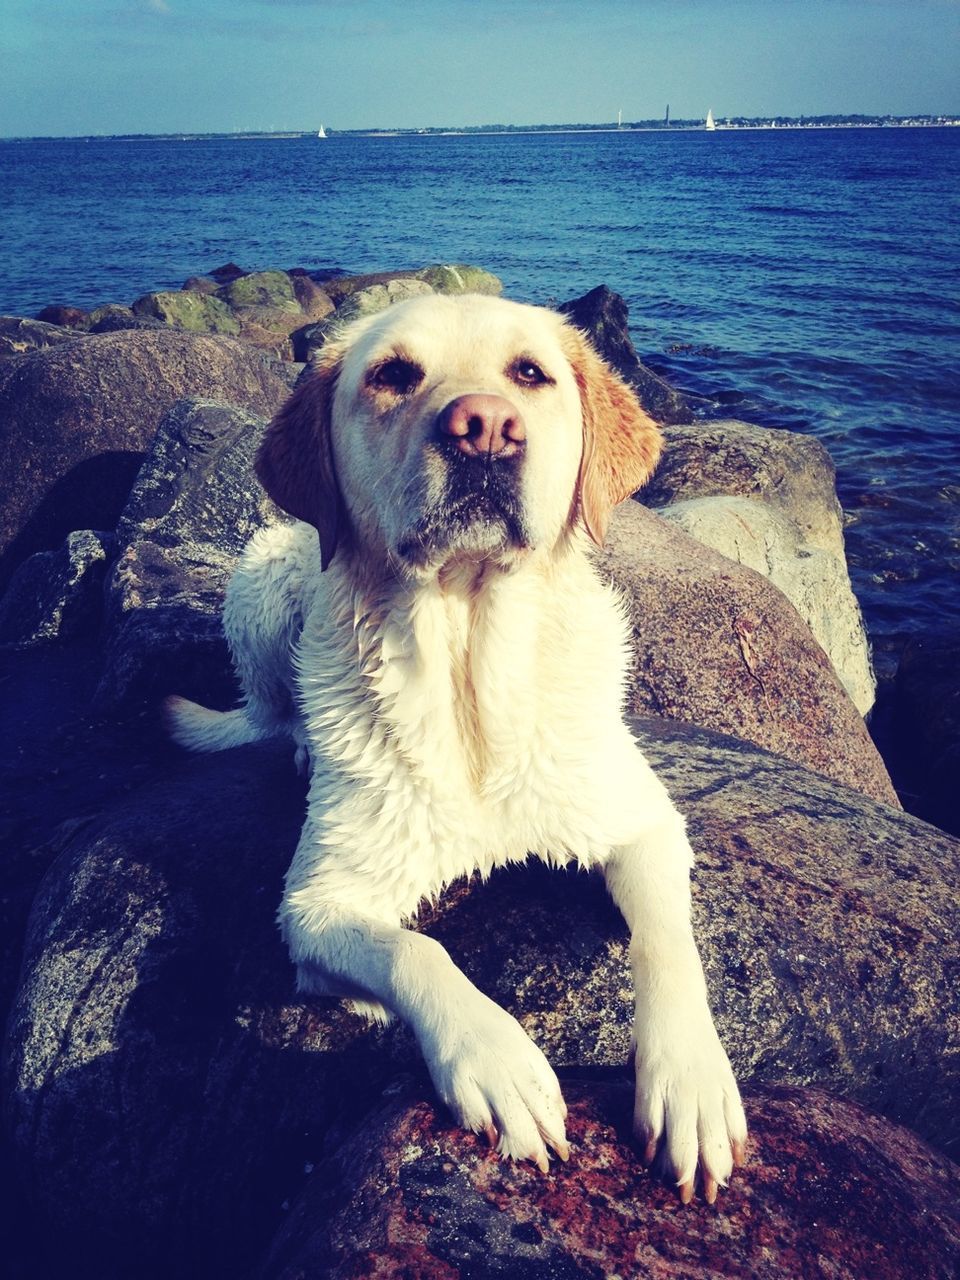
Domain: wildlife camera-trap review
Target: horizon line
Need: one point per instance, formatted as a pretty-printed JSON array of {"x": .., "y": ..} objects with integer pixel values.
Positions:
[{"x": 658, "y": 123}]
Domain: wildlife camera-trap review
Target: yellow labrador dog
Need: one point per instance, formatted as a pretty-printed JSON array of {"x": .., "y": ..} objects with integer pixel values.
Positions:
[{"x": 431, "y": 634}]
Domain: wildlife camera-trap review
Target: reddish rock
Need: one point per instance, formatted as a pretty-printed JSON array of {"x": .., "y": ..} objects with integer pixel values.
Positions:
[
  {"x": 165, "y": 1082},
  {"x": 68, "y": 317},
  {"x": 75, "y": 420},
  {"x": 830, "y": 1192},
  {"x": 717, "y": 645}
]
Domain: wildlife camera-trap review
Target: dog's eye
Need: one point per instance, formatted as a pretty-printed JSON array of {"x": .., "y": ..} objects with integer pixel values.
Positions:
[
  {"x": 528, "y": 373},
  {"x": 397, "y": 375}
]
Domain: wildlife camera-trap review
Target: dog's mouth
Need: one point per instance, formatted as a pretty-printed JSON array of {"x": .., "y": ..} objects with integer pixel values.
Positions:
[{"x": 479, "y": 514}]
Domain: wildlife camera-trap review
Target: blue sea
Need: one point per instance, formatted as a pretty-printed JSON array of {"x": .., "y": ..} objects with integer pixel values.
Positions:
[{"x": 807, "y": 279}]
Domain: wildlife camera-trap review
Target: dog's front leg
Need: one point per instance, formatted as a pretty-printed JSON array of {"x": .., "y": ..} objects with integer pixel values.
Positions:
[
  {"x": 485, "y": 1068},
  {"x": 687, "y": 1104}
]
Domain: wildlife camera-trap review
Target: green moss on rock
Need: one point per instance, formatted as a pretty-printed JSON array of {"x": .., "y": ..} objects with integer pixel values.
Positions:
[
  {"x": 193, "y": 312},
  {"x": 272, "y": 289}
]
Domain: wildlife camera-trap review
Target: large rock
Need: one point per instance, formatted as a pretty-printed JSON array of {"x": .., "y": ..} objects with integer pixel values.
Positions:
[
  {"x": 192, "y": 509},
  {"x": 166, "y": 1085},
  {"x": 768, "y": 499},
  {"x": 831, "y": 1192},
  {"x": 754, "y": 533},
  {"x": 19, "y": 335},
  {"x": 792, "y": 472},
  {"x": 602, "y": 315},
  {"x": 185, "y": 309},
  {"x": 56, "y": 595},
  {"x": 270, "y": 289},
  {"x": 360, "y": 302},
  {"x": 717, "y": 645},
  {"x": 442, "y": 278},
  {"x": 75, "y": 421}
]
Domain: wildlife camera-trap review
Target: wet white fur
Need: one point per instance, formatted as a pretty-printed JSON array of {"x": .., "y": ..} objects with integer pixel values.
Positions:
[{"x": 459, "y": 716}]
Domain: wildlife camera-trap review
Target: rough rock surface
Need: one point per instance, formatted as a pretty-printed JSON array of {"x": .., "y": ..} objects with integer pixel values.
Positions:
[
  {"x": 272, "y": 289},
  {"x": 194, "y": 312},
  {"x": 57, "y": 594},
  {"x": 602, "y": 315},
  {"x": 755, "y": 533},
  {"x": 192, "y": 509},
  {"x": 75, "y": 420},
  {"x": 359, "y": 302},
  {"x": 18, "y": 335},
  {"x": 442, "y": 278},
  {"x": 794, "y": 472},
  {"x": 715, "y": 644},
  {"x": 167, "y": 1085},
  {"x": 830, "y": 1192}
]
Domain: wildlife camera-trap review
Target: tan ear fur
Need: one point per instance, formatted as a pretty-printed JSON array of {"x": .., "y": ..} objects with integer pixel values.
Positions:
[
  {"x": 621, "y": 442},
  {"x": 295, "y": 460}
]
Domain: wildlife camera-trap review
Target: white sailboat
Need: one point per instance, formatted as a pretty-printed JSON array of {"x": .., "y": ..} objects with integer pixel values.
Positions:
[
  {"x": 710, "y": 123},
  {"x": 321, "y": 132}
]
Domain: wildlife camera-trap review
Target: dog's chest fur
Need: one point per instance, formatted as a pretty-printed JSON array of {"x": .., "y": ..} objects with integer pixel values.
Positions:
[{"x": 465, "y": 722}]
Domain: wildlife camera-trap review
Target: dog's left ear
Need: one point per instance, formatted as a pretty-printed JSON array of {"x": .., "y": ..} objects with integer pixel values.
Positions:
[
  {"x": 621, "y": 442},
  {"x": 295, "y": 460}
]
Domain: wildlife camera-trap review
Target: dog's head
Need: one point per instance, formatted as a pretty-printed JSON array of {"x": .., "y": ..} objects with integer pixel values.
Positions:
[{"x": 451, "y": 428}]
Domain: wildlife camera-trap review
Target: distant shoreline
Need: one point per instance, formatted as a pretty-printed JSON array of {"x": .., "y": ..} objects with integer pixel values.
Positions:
[{"x": 728, "y": 125}]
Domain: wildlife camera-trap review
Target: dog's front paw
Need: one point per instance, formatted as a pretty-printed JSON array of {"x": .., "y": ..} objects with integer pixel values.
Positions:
[
  {"x": 497, "y": 1082},
  {"x": 687, "y": 1110}
]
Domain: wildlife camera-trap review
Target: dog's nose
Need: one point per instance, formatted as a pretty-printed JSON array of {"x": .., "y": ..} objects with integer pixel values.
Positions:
[{"x": 483, "y": 424}]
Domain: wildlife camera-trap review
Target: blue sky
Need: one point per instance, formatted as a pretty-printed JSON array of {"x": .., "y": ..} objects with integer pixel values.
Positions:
[{"x": 110, "y": 66}]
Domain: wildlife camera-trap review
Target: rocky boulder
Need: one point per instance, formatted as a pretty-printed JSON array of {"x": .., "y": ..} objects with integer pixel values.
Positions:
[
  {"x": 167, "y": 1086},
  {"x": 193, "y": 312},
  {"x": 56, "y": 595},
  {"x": 361, "y": 302},
  {"x": 458, "y": 278},
  {"x": 75, "y": 420},
  {"x": 816, "y": 582},
  {"x": 830, "y": 1192},
  {"x": 18, "y": 335},
  {"x": 717, "y": 645},
  {"x": 272, "y": 289},
  {"x": 193, "y": 507},
  {"x": 790, "y": 471},
  {"x": 767, "y": 499}
]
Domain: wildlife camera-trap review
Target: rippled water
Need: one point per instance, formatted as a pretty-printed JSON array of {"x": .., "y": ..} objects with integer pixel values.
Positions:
[{"x": 804, "y": 279}]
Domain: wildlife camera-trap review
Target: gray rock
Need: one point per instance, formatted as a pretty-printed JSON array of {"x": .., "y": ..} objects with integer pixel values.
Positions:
[
  {"x": 831, "y": 1192},
  {"x": 19, "y": 335},
  {"x": 193, "y": 507},
  {"x": 76, "y": 418},
  {"x": 192, "y": 312},
  {"x": 201, "y": 284},
  {"x": 754, "y": 533},
  {"x": 715, "y": 644},
  {"x": 768, "y": 499},
  {"x": 791, "y": 471},
  {"x": 360, "y": 302},
  {"x": 57, "y": 595},
  {"x": 166, "y": 1085},
  {"x": 442, "y": 278},
  {"x": 271, "y": 289}
]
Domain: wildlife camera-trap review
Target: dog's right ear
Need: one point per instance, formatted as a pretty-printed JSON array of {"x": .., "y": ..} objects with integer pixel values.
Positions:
[{"x": 295, "y": 460}]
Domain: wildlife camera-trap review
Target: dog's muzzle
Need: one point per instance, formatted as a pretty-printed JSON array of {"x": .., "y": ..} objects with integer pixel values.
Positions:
[{"x": 480, "y": 441}]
